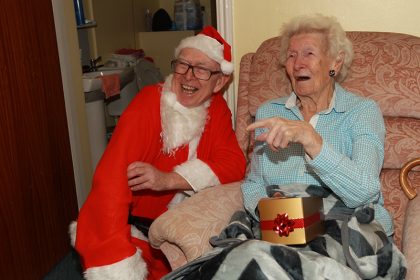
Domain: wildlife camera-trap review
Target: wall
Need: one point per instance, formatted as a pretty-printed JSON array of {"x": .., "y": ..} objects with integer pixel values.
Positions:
[
  {"x": 115, "y": 26},
  {"x": 264, "y": 21},
  {"x": 161, "y": 45}
]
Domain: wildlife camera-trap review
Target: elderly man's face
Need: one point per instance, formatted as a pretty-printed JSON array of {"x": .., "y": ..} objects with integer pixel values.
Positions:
[{"x": 190, "y": 91}]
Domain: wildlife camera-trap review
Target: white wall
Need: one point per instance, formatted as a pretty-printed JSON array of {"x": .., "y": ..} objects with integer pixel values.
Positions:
[
  {"x": 255, "y": 21},
  {"x": 115, "y": 26}
]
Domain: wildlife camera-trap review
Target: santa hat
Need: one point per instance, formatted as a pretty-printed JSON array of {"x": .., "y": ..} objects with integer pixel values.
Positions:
[{"x": 210, "y": 42}]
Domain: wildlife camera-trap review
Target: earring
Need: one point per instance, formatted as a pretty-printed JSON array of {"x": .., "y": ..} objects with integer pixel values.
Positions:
[{"x": 331, "y": 73}]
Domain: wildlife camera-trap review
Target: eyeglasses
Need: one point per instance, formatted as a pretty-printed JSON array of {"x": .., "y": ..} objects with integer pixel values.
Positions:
[{"x": 199, "y": 72}]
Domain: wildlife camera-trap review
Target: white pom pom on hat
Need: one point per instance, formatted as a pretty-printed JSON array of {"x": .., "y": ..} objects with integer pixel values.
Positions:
[{"x": 210, "y": 42}]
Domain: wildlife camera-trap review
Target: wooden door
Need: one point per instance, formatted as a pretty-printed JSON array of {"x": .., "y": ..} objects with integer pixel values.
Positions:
[{"x": 37, "y": 189}]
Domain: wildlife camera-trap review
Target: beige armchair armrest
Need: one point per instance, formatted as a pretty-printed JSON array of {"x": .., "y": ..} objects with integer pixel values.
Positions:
[
  {"x": 183, "y": 232},
  {"x": 410, "y": 242}
]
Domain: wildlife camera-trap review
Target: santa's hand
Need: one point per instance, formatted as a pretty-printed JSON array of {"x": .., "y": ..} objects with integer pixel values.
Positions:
[{"x": 143, "y": 175}]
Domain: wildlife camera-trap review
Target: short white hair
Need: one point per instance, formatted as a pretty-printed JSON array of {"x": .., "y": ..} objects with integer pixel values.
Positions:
[{"x": 337, "y": 40}]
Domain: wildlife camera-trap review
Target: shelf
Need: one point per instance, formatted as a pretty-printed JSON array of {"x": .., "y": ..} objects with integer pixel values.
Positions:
[{"x": 88, "y": 24}]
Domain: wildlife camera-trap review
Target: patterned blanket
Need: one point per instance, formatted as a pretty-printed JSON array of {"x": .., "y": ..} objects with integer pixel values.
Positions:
[{"x": 354, "y": 246}]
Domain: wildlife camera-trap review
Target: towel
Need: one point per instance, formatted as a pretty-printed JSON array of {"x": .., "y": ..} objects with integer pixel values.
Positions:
[{"x": 110, "y": 85}]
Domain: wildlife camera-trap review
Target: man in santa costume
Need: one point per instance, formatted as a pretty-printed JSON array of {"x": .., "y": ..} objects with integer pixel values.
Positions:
[{"x": 174, "y": 139}]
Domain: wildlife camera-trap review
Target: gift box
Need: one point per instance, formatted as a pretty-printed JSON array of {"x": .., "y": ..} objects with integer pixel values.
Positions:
[{"x": 295, "y": 220}]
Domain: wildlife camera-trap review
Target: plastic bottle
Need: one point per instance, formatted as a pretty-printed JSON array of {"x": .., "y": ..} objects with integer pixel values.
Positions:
[
  {"x": 194, "y": 15},
  {"x": 148, "y": 20},
  {"x": 180, "y": 15},
  {"x": 187, "y": 14},
  {"x": 80, "y": 15}
]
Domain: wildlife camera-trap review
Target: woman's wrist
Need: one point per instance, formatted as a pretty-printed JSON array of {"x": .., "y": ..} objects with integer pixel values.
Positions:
[{"x": 314, "y": 148}]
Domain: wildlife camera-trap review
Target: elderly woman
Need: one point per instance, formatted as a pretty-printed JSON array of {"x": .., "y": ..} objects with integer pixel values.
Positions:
[
  {"x": 322, "y": 141},
  {"x": 325, "y": 141},
  {"x": 321, "y": 134},
  {"x": 174, "y": 139}
]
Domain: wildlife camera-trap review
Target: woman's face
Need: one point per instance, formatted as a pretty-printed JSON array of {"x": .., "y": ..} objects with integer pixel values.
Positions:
[
  {"x": 190, "y": 91},
  {"x": 308, "y": 64}
]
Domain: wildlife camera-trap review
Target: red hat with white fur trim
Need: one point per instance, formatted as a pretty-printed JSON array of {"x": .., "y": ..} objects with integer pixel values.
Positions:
[{"x": 210, "y": 42}]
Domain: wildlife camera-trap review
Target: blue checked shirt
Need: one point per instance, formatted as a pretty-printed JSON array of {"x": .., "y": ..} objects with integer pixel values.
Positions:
[{"x": 349, "y": 163}]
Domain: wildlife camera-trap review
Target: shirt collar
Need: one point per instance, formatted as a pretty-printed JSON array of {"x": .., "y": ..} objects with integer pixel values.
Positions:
[{"x": 337, "y": 101}]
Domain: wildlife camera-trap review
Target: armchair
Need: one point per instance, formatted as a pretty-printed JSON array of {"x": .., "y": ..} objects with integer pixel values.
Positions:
[{"x": 386, "y": 69}]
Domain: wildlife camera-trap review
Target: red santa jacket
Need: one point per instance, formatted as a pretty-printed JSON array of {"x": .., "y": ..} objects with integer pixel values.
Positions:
[{"x": 103, "y": 234}]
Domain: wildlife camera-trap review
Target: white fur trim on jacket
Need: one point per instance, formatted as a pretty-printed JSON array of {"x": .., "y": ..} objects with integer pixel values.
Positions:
[
  {"x": 138, "y": 234},
  {"x": 131, "y": 268},
  {"x": 72, "y": 233},
  {"x": 179, "y": 124},
  {"x": 198, "y": 174}
]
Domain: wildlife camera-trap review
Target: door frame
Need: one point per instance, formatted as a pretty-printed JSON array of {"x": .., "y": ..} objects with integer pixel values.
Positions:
[
  {"x": 224, "y": 12},
  {"x": 71, "y": 73}
]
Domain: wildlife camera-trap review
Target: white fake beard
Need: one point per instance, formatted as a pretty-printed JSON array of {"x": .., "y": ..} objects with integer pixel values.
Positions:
[{"x": 180, "y": 124}]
